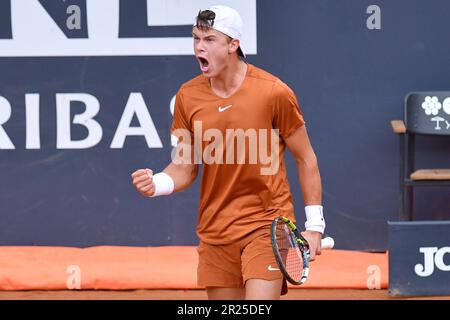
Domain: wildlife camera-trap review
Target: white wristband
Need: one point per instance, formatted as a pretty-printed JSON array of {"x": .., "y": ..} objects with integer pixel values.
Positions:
[
  {"x": 314, "y": 218},
  {"x": 163, "y": 184}
]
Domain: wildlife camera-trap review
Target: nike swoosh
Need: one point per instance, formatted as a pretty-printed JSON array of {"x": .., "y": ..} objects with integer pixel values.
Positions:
[
  {"x": 272, "y": 269},
  {"x": 222, "y": 109}
]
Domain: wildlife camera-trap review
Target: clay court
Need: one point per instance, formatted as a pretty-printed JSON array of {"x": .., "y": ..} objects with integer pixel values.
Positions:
[
  {"x": 132, "y": 273},
  {"x": 294, "y": 294}
]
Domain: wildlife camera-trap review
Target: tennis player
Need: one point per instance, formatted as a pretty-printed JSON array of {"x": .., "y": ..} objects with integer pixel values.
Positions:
[{"x": 238, "y": 200}]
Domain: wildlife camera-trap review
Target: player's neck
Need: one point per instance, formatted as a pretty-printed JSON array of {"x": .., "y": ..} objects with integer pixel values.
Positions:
[{"x": 230, "y": 79}]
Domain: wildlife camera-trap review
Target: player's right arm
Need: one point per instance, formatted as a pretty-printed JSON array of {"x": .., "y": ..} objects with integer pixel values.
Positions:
[
  {"x": 183, "y": 174},
  {"x": 183, "y": 169}
]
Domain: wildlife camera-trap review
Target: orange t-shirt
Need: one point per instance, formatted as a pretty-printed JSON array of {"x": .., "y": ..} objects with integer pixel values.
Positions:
[{"x": 235, "y": 197}]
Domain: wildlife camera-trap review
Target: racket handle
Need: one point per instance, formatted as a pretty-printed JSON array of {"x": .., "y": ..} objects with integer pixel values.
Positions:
[{"x": 327, "y": 243}]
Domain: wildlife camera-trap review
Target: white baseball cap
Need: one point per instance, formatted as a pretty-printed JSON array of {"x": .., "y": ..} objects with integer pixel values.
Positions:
[{"x": 227, "y": 21}]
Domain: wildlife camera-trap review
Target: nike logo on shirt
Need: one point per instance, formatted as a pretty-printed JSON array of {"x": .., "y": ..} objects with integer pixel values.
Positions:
[
  {"x": 222, "y": 109},
  {"x": 272, "y": 269}
]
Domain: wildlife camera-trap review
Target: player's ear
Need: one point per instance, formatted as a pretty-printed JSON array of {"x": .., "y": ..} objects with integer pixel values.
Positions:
[{"x": 233, "y": 46}]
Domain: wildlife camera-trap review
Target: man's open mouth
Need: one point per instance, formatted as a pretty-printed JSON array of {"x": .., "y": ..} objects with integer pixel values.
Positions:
[{"x": 204, "y": 64}]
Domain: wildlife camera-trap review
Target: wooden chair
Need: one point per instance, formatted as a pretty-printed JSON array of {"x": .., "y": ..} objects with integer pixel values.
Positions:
[{"x": 426, "y": 113}]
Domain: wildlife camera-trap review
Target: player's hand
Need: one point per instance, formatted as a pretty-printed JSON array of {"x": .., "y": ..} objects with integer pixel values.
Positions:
[
  {"x": 143, "y": 181},
  {"x": 314, "y": 239}
]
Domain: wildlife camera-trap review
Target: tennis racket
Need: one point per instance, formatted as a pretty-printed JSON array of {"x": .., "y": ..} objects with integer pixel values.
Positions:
[{"x": 291, "y": 250}]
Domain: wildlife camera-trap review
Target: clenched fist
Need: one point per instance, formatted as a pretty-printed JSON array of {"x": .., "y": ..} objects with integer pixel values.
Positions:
[{"x": 143, "y": 181}]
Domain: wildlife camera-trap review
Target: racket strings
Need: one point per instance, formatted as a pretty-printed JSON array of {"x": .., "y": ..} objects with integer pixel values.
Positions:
[{"x": 290, "y": 252}]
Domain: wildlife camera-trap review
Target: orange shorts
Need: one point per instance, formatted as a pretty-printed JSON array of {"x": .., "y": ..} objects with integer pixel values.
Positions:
[{"x": 232, "y": 265}]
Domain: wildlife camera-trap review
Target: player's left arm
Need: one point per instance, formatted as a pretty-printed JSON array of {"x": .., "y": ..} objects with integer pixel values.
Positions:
[{"x": 309, "y": 176}]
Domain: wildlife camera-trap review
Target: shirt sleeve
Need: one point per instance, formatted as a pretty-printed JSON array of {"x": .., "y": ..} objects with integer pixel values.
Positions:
[
  {"x": 287, "y": 116},
  {"x": 180, "y": 120},
  {"x": 181, "y": 129}
]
